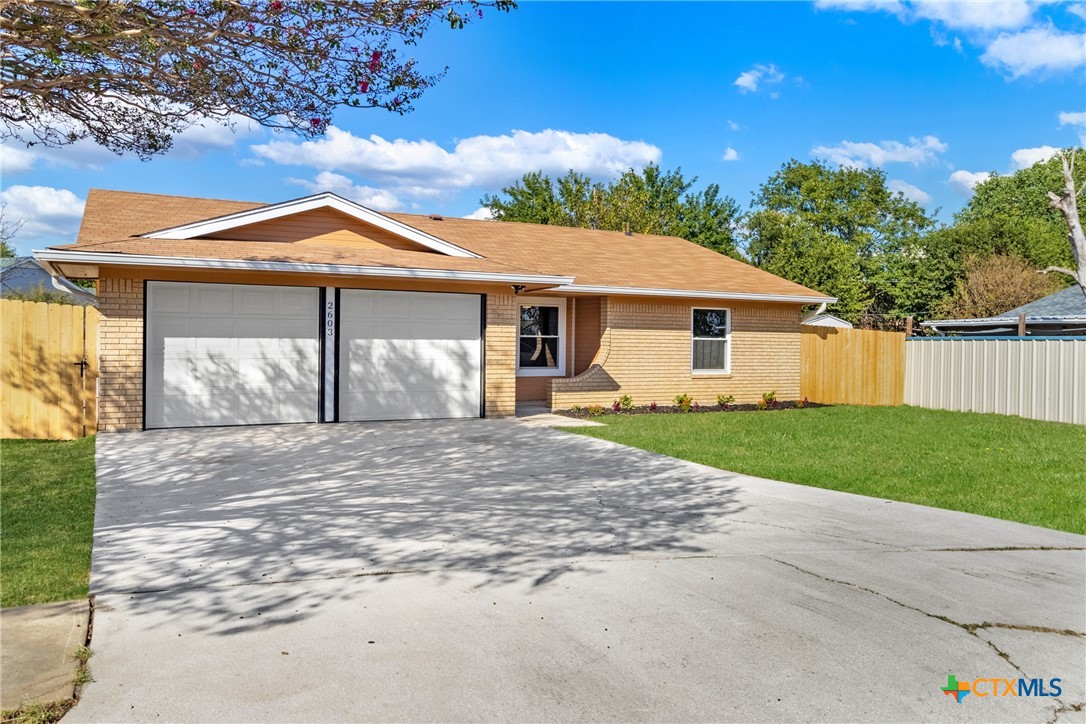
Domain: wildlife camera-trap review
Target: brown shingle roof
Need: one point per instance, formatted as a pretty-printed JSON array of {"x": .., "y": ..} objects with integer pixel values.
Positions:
[
  {"x": 274, "y": 251},
  {"x": 593, "y": 257}
]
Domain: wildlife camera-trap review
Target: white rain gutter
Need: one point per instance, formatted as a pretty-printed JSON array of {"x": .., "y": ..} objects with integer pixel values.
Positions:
[
  {"x": 700, "y": 294},
  {"x": 56, "y": 256}
]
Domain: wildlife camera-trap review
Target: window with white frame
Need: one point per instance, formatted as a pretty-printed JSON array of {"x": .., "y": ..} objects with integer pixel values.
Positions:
[
  {"x": 541, "y": 338},
  {"x": 710, "y": 329}
]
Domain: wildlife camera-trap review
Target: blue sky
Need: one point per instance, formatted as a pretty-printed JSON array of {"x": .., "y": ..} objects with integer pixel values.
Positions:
[{"x": 936, "y": 94}]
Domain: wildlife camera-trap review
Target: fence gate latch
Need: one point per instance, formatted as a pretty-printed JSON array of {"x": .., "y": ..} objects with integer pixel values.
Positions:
[{"x": 82, "y": 365}]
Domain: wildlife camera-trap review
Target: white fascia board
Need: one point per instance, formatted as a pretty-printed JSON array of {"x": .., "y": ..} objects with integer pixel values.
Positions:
[
  {"x": 700, "y": 294},
  {"x": 310, "y": 203},
  {"x": 177, "y": 262}
]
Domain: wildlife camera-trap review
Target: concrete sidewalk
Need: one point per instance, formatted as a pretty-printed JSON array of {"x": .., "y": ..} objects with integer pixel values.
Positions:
[{"x": 37, "y": 651}]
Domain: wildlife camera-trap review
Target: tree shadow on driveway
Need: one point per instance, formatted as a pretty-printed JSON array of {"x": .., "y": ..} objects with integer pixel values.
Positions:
[{"x": 208, "y": 510}]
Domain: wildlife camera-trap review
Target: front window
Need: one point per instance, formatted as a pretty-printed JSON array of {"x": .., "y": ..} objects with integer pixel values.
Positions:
[
  {"x": 710, "y": 328},
  {"x": 541, "y": 339}
]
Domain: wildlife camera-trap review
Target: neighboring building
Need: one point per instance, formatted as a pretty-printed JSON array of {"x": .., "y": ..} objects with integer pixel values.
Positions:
[
  {"x": 24, "y": 274},
  {"x": 318, "y": 309},
  {"x": 1057, "y": 315},
  {"x": 819, "y": 318}
]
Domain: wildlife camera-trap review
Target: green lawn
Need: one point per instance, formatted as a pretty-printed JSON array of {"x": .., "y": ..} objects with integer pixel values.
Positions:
[
  {"x": 994, "y": 465},
  {"x": 46, "y": 520}
]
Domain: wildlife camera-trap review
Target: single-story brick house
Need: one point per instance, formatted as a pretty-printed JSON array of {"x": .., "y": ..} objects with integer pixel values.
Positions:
[{"x": 319, "y": 310}]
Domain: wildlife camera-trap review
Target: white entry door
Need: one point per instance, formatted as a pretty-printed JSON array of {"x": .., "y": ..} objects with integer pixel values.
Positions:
[
  {"x": 231, "y": 354},
  {"x": 409, "y": 355}
]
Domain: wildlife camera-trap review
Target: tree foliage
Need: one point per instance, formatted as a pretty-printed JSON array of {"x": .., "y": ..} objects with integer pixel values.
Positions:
[
  {"x": 842, "y": 232},
  {"x": 651, "y": 201},
  {"x": 995, "y": 284},
  {"x": 131, "y": 75}
]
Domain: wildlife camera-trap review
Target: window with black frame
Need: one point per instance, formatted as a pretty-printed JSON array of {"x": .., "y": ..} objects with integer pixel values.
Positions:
[
  {"x": 540, "y": 339},
  {"x": 710, "y": 330}
]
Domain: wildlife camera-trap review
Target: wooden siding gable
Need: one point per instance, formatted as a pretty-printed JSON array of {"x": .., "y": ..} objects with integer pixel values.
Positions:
[{"x": 324, "y": 227}]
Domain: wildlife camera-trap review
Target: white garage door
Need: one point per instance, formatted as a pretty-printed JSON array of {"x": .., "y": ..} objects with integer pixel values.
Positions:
[
  {"x": 231, "y": 354},
  {"x": 408, "y": 355}
]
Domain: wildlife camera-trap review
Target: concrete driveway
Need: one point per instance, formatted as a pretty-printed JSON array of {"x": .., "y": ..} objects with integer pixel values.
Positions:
[{"x": 486, "y": 570}]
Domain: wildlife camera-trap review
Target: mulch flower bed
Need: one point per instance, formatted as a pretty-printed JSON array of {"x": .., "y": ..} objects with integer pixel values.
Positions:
[{"x": 675, "y": 410}]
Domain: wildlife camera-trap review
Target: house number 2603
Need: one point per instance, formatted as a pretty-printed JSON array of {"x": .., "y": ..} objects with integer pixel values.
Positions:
[{"x": 330, "y": 319}]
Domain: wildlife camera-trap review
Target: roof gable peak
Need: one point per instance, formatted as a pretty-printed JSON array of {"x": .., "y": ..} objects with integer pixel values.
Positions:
[{"x": 323, "y": 200}]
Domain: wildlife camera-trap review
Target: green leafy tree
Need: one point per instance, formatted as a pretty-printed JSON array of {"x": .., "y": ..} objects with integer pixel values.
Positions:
[
  {"x": 822, "y": 214},
  {"x": 650, "y": 201},
  {"x": 131, "y": 75},
  {"x": 1012, "y": 214}
]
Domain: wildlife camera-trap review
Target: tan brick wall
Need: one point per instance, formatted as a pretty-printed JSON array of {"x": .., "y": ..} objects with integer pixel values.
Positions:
[
  {"x": 120, "y": 354},
  {"x": 502, "y": 314},
  {"x": 645, "y": 353}
]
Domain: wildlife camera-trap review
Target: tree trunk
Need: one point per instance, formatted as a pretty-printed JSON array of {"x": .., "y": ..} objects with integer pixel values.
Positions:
[{"x": 1067, "y": 203}]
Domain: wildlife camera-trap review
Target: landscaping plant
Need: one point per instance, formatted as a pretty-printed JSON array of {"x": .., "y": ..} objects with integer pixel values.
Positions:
[{"x": 684, "y": 402}]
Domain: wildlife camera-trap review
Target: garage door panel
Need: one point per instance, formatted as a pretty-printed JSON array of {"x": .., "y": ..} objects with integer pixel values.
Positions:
[
  {"x": 227, "y": 354},
  {"x": 406, "y": 355},
  {"x": 213, "y": 299}
]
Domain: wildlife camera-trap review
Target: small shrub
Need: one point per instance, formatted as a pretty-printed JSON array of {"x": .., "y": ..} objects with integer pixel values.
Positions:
[
  {"x": 725, "y": 401},
  {"x": 615, "y": 406},
  {"x": 576, "y": 409},
  {"x": 595, "y": 410},
  {"x": 762, "y": 404},
  {"x": 626, "y": 402},
  {"x": 684, "y": 401},
  {"x": 696, "y": 407},
  {"x": 770, "y": 399},
  {"x": 652, "y": 406},
  {"x": 802, "y": 403}
]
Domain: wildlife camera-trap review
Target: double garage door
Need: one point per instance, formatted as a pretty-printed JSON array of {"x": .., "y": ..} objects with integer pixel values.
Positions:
[{"x": 225, "y": 354}]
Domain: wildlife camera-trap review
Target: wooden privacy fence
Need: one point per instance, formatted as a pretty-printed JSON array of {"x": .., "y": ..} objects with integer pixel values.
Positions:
[
  {"x": 48, "y": 370},
  {"x": 1044, "y": 379},
  {"x": 852, "y": 366}
]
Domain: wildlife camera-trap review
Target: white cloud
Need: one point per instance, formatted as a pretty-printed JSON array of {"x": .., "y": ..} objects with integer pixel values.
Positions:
[
  {"x": 1068, "y": 118},
  {"x": 377, "y": 199},
  {"x": 483, "y": 213},
  {"x": 965, "y": 181},
  {"x": 1040, "y": 50},
  {"x": 733, "y": 126},
  {"x": 424, "y": 168},
  {"x": 909, "y": 191},
  {"x": 730, "y": 154},
  {"x": 892, "y": 6},
  {"x": 51, "y": 215},
  {"x": 863, "y": 155},
  {"x": 1012, "y": 38},
  {"x": 749, "y": 81},
  {"x": 1026, "y": 157},
  {"x": 14, "y": 159},
  {"x": 975, "y": 14}
]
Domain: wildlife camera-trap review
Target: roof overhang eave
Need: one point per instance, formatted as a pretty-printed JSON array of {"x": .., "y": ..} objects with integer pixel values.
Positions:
[
  {"x": 54, "y": 256},
  {"x": 695, "y": 293}
]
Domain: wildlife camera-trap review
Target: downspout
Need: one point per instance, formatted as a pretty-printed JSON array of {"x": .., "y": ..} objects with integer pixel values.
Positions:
[{"x": 815, "y": 313}]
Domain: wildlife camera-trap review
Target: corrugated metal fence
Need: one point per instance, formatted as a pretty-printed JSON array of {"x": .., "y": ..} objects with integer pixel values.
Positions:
[
  {"x": 1040, "y": 378},
  {"x": 48, "y": 370}
]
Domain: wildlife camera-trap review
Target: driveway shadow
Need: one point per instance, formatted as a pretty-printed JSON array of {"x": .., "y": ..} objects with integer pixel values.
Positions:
[{"x": 215, "y": 508}]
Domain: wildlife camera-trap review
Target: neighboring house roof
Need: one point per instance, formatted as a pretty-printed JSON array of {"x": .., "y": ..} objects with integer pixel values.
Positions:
[
  {"x": 825, "y": 320},
  {"x": 25, "y": 273},
  {"x": 1064, "y": 311},
  {"x": 118, "y": 223}
]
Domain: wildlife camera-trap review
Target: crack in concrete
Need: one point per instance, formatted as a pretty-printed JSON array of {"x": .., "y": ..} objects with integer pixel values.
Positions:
[
  {"x": 1063, "y": 709},
  {"x": 969, "y": 628},
  {"x": 853, "y": 539}
]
